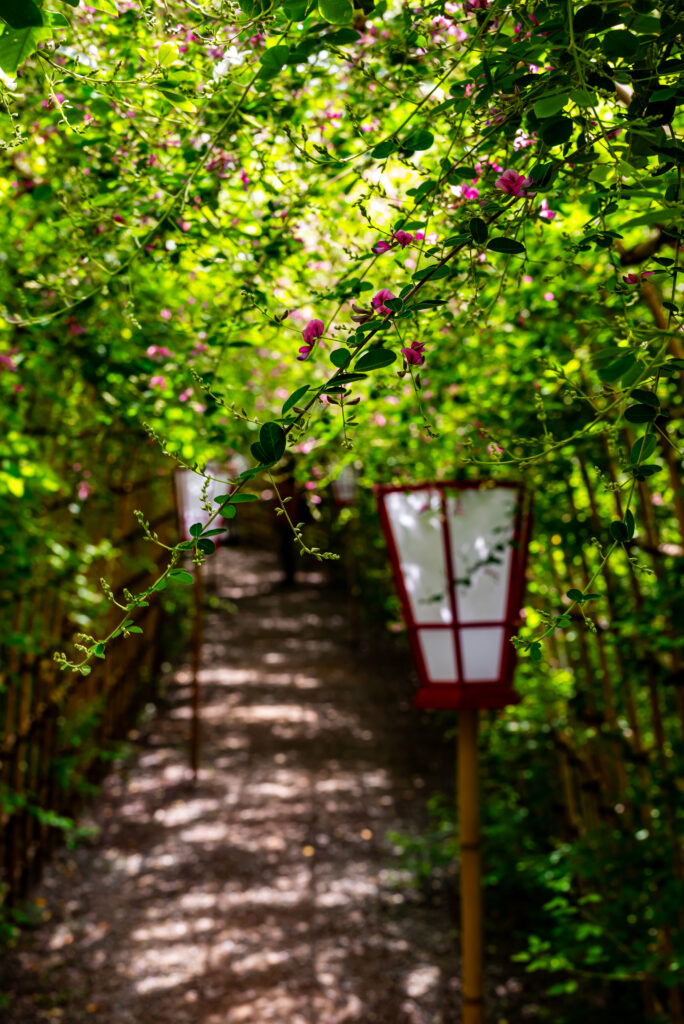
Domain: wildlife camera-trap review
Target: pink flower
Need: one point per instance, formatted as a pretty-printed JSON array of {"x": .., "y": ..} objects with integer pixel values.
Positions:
[
  {"x": 431, "y": 237},
  {"x": 314, "y": 329},
  {"x": 403, "y": 238},
  {"x": 158, "y": 352},
  {"x": 512, "y": 183},
  {"x": 545, "y": 212},
  {"x": 381, "y": 247},
  {"x": 244, "y": 179},
  {"x": 166, "y": 314},
  {"x": 378, "y": 301},
  {"x": 414, "y": 355},
  {"x": 635, "y": 278},
  {"x": 465, "y": 191},
  {"x": 7, "y": 364},
  {"x": 494, "y": 449},
  {"x": 304, "y": 352},
  {"x": 158, "y": 382},
  {"x": 184, "y": 395},
  {"x": 83, "y": 490}
]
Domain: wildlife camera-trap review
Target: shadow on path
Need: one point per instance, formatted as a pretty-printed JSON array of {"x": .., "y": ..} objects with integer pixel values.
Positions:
[{"x": 267, "y": 891}]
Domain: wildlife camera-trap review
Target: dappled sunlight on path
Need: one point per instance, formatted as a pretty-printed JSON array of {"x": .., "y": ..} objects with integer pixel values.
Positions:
[{"x": 266, "y": 892}]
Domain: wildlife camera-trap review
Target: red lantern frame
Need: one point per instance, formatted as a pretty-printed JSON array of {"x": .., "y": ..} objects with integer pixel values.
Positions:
[{"x": 470, "y": 694}]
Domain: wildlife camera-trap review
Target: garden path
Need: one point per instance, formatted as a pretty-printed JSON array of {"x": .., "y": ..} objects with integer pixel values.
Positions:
[{"x": 267, "y": 891}]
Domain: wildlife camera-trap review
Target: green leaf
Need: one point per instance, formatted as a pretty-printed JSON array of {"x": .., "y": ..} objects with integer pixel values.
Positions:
[
  {"x": 478, "y": 229},
  {"x": 134, "y": 629},
  {"x": 619, "y": 531},
  {"x": 104, "y": 5},
  {"x": 181, "y": 576},
  {"x": 620, "y": 43},
  {"x": 343, "y": 37},
  {"x": 629, "y": 524},
  {"x": 375, "y": 358},
  {"x": 557, "y": 132},
  {"x": 643, "y": 448},
  {"x": 434, "y": 275},
  {"x": 643, "y": 472},
  {"x": 536, "y": 652},
  {"x": 383, "y": 149},
  {"x": 272, "y": 61},
  {"x": 340, "y": 357},
  {"x": 396, "y": 305},
  {"x": 575, "y": 595},
  {"x": 337, "y": 12},
  {"x": 273, "y": 440},
  {"x": 297, "y": 10},
  {"x": 178, "y": 100},
  {"x": 290, "y": 402},
  {"x": 18, "y": 44},
  {"x": 241, "y": 498},
  {"x": 212, "y": 533},
  {"x": 647, "y": 397},
  {"x": 418, "y": 140},
  {"x": 641, "y": 414},
  {"x": 506, "y": 245},
  {"x": 550, "y": 105},
  {"x": 99, "y": 650},
  {"x": 206, "y": 546},
  {"x": 614, "y": 371},
  {"x": 229, "y": 511},
  {"x": 343, "y": 380},
  {"x": 20, "y": 13},
  {"x": 196, "y": 529},
  {"x": 588, "y": 18}
]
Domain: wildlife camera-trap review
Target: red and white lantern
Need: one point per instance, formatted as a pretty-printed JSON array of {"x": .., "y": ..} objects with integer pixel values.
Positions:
[{"x": 458, "y": 553}]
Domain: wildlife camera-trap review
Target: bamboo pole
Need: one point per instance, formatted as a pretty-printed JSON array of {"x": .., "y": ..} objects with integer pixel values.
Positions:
[
  {"x": 195, "y": 738},
  {"x": 471, "y": 870}
]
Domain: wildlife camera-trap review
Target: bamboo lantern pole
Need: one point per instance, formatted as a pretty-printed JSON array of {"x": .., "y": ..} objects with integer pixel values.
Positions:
[
  {"x": 195, "y": 725},
  {"x": 467, "y": 788}
]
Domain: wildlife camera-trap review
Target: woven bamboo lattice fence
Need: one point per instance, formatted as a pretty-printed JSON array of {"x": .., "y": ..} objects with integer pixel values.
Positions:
[{"x": 57, "y": 727}]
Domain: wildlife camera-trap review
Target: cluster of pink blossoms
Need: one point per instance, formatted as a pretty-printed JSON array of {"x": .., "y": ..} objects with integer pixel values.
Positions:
[
  {"x": 8, "y": 364},
  {"x": 313, "y": 330},
  {"x": 513, "y": 184},
  {"x": 401, "y": 238},
  {"x": 414, "y": 355},
  {"x": 380, "y": 298},
  {"x": 636, "y": 278},
  {"x": 158, "y": 352}
]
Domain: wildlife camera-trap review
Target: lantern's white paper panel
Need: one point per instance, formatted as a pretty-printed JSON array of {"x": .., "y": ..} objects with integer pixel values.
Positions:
[
  {"x": 189, "y": 488},
  {"x": 480, "y": 529},
  {"x": 481, "y": 651},
  {"x": 439, "y": 654},
  {"x": 416, "y": 521},
  {"x": 481, "y": 525}
]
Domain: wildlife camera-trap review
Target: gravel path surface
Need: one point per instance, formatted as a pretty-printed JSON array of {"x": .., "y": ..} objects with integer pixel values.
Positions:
[{"x": 268, "y": 891}]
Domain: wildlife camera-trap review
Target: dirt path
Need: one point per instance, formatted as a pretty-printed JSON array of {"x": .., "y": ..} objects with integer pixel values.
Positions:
[{"x": 268, "y": 891}]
